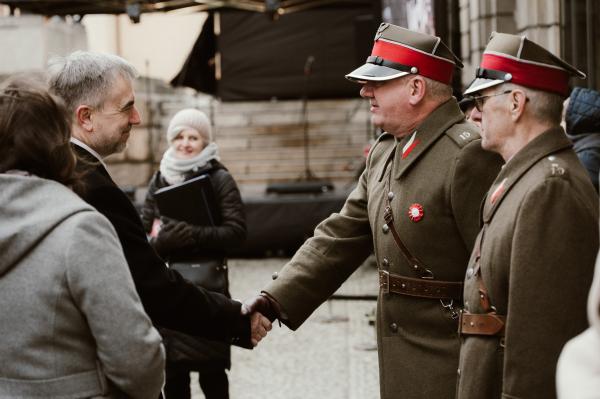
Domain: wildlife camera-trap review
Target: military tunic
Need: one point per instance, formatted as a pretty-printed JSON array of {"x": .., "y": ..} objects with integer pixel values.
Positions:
[
  {"x": 539, "y": 242},
  {"x": 445, "y": 172}
]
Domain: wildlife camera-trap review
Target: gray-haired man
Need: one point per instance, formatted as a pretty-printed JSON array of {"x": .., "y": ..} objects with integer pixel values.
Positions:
[{"x": 98, "y": 90}]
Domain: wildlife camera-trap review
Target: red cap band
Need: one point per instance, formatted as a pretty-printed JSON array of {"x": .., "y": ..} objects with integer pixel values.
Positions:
[
  {"x": 428, "y": 65},
  {"x": 529, "y": 75}
]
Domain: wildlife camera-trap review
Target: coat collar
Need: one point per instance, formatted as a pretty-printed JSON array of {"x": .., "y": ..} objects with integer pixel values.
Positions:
[
  {"x": 90, "y": 150},
  {"x": 549, "y": 142},
  {"x": 89, "y": 159},
  {"x": 430, "y": 130}
]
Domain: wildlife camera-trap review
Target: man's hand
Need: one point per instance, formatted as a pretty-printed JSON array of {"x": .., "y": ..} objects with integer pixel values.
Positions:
[
  {"x": 259, "y": 326},
  {"x": 262, "y": 304}
]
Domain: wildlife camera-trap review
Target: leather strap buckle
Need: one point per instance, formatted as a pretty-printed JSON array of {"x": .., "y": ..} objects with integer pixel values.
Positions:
[
  {"x": 488, "y": 324},
  {"x": 384, "y": 281}
]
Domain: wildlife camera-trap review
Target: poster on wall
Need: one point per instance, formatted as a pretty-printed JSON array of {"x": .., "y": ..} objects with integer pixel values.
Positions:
[{"x": 417, "y": 15}]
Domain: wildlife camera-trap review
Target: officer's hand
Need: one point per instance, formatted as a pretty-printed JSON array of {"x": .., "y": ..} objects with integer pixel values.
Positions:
[{"x": 259, "y": 326}]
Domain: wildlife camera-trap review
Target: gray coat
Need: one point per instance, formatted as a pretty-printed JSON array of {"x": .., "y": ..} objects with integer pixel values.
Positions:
[{"x": 71, "y": 322}]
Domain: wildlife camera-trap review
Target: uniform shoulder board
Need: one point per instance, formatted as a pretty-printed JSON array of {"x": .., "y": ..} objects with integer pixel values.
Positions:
[
  {"x": 463, "y": 133},
  {"x": 555, "y": 167}
]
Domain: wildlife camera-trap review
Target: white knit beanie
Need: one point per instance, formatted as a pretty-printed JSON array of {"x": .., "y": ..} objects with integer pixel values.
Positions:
[{"x": 190, "y": 118}]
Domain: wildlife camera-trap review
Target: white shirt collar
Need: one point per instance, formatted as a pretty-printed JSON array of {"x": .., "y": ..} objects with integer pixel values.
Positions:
[{"x": 81, "y": 144}]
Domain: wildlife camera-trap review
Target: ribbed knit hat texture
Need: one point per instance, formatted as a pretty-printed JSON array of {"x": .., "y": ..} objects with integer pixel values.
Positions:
[{"x": 189, "y": 118}]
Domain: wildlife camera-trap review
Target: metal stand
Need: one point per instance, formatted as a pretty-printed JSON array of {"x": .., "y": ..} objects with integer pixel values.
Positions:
[
  {"x": 371, "y": 344},
  {"x": 331, "y": 318}
]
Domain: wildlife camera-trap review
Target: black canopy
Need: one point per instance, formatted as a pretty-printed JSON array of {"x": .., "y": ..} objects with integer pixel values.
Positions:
[
  {"x": 137, "y": 7},
  {"x": 253, "y": 57}
]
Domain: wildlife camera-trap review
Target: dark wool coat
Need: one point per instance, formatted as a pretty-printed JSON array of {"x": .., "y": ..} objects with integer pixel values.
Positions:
[
  {"x": 540, "y": 239},
  {"x": 169, "y": 300},
  {"x": 447, "y": 174}
]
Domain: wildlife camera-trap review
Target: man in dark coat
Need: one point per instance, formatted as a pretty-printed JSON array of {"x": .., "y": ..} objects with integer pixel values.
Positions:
[
  {"x": 582, "y": 124},
  {"x": 98, "y": 90},
  {"x": 421, "y": 189},
  {"x": 526, "y": 285}
]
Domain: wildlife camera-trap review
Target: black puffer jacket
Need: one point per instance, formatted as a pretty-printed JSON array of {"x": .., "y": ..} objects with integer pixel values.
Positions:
[
  {"x": 196, "y": 353},
  {"x": 582, "y": 119},
  {"x": 210, "y": 240}
]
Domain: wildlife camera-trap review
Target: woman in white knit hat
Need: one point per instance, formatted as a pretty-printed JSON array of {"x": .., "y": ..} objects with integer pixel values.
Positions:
[{"x": 192, "y": 153}]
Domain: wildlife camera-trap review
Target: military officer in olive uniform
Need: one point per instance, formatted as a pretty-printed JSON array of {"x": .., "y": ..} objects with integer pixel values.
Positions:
[
  {"x": 532, "y": 265},
  {"x": 424, "y": 181}
]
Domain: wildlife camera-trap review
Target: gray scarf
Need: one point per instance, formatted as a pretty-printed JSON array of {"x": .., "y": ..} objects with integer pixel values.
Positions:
[{"x": 174, "y": 169}]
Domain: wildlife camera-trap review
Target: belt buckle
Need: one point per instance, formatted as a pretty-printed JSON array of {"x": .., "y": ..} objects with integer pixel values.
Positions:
[
  {"x": 450, "y": 308},
  {"x": 427, "y": 274},
  {"x": 386, "y": 290}
]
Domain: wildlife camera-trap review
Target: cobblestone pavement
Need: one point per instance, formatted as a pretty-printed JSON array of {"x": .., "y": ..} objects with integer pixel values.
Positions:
[{"x": 324, "y": 358}]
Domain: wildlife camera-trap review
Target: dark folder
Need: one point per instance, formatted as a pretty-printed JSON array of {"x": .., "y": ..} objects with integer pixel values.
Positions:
[{"x": 192, "y": 201}]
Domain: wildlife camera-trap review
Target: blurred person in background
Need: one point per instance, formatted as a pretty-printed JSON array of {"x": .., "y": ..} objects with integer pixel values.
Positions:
[
  {"x": 71, "y": 321},
  {"x": 578, "y": 369},
  {"x": 193, "y": 153},
  {"x": 467, "y": 105},
  {"x": 581, "y": 121}
]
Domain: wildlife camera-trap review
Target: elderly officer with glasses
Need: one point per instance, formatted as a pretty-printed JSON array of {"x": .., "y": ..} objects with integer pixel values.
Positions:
[{"x": 527, "y": 281}]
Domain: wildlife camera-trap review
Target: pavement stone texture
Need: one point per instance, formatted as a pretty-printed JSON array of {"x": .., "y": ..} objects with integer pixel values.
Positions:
[{"x": 324, "y": 358}]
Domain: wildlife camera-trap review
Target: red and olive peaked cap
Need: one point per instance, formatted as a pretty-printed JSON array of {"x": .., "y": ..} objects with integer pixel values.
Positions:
[
  {"x": 398, "y": 52},
  {"x": 516, "y": 59}
]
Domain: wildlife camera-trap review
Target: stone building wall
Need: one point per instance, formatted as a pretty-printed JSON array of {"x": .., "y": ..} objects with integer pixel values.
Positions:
[
  {"x": 28, "y": 41},
  {"x": 259, "y": 142}
]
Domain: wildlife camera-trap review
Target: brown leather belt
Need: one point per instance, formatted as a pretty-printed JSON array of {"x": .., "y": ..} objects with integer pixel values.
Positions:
[
  {"x": 422, "y": 288},
  {"x": 490, "y": 324}
]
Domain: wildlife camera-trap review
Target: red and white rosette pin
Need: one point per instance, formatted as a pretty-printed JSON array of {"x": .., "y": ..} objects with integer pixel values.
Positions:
[{"x": 415, "y": 212}]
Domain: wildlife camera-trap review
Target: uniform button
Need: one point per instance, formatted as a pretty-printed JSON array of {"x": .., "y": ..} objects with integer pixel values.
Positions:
[
  {"x": 458, "y": 372},
  {"x": 275, "y": 275},
  {"x": 470, "y": 272},
  {"x": 390, "y": 195},
  {"x": 394, "y": 327},
  {"x": 385, "y": 228},
  {"x": 385, "y": 262}
]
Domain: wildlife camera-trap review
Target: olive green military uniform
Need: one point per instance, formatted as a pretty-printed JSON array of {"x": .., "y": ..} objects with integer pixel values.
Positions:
[
  {"x": 446, "y": 173},
  {"x": 538, "y": 245}
]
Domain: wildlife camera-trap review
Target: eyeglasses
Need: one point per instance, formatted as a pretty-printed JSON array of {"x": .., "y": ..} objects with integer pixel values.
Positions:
[{"x": 480, "y": 100}]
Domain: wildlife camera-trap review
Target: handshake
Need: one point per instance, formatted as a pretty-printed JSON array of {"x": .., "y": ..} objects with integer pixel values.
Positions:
[{"x": 262, "y": 310}]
